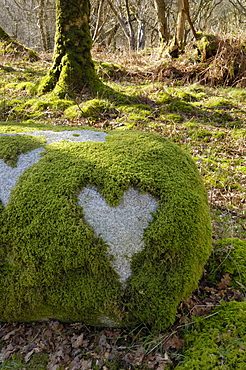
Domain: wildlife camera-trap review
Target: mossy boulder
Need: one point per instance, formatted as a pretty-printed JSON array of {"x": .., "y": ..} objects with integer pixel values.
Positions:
[{"x": 110, "y": 229}]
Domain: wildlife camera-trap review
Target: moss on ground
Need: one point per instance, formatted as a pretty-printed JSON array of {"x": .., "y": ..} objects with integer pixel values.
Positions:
[
  {"x": 171, "y": 118},
  {"x": 94, "y": 109},
  {"x": 28, "y": 86},
  {"x": 54, "y": 265},
  {"x": 229, "y": 258},
  {"x": 109, "y": 71},
  {"x": 216, "y": 102},
  {"x": 164, "y": 98},
  {"x": 181, "y": 107},
  {"x": 217, "y": 342},
  {"x": 134, "y": 114},
  {"x": 47, "y": 102},
  {"x": 185, "y": 96}
]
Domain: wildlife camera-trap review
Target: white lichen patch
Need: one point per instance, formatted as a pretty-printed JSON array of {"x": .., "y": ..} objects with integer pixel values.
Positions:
[
  {"x": 9, "y": 175},
  {"x": 121, "y": 227},
  {"x": 73, "y": 136}
]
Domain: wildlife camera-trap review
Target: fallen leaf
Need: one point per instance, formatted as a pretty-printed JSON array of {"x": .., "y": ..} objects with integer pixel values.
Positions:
[
  {"x": 225, "y": 282},
  {"x": 79, "y": 341},
  {"x": 29, "y": 354},
  {"x": 85, "y": 364},
  {"x": 11, "y": 333},
  {"x": 135, "y": 358},
  {"x": 173, "y": 342},
  {"x": 7, "y": 352}
]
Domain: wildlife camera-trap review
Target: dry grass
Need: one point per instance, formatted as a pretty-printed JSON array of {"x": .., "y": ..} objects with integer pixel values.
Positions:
[{"x": 226, "y": 68}]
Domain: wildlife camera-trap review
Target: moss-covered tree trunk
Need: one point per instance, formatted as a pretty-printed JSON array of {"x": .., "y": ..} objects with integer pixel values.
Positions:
[{"x": 73, "y": 69}]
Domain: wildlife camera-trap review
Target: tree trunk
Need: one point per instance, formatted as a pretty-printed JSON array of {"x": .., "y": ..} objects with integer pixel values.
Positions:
[
  {"x": 162, "y": 21},
  {"x": 73, "y": 69},
  {"x": 132, "y": 43},
  {"x": 41, "y": 24},
  {"x": 141, "y": 35},
  {"x": 183, "y": 14},
  {"x": 180, "y": 28},
  {"x": 99, "y": 20}
]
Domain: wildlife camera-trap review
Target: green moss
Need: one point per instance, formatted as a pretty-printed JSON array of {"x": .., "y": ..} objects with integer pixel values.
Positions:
[
  {"x": 238, "y": 94},
  {"x": 197, "y": 92},
  {"x": 54, "y": 266},
  {"x": 109, "y": 70},
  {"x": 48, "y": 102},
  {"x": 134, "y": 115},
  {"x": 12, "y": 146},
  {"x": 3, "y": 34},
  {"x": 180, "y": 106},
  {"x": 93, "y": 109},
  {"x": 73, "y": 69},
  {"x": 47, "y": 83},
  {"x": 171, "y": 118},
  {"x": 136, "y": 111},
  {"x": 208, "y": 45},
  {"x": 217, "y": 342},
  {"x": 185, "y": 96},
  {"x": 15, "y": 49},
  {"x": 10, "y": 85},
  {"x": 229, "y": 258},
  {"x": 32, "y": 108},
  {"x": 28, "y": 86},
  {"x": 214, "y": 102},
  {"x": 30, "y": 126},
  {"x": 219, "y": 135},
  {"x": 200, "y": 134},
  {"x": 164, "y": 98},
  {"x": 9, "y": 104}
]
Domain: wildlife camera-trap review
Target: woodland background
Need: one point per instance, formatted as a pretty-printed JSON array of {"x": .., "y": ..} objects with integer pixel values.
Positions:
[
  {"x": 32, "y": 22},
  {"x": 197, "y": 100}
]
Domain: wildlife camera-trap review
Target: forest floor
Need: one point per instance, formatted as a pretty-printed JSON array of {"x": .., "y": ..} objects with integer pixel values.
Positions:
[{"x": 206, "y": 120}]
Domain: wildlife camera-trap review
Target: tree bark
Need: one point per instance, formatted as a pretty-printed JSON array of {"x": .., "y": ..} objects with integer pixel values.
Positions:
[
  {"x": 162, "y": 20},
  {"x": 99, "y": 20},
  {"x": 141, "y": 35},
  {"x": 183, "y": 14},
  {"x": 180, "y": 28},
  {"x": 132, "y": 43},
  {"x": 73, "y": 69},
  {"x": 41, "y": 24}
]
